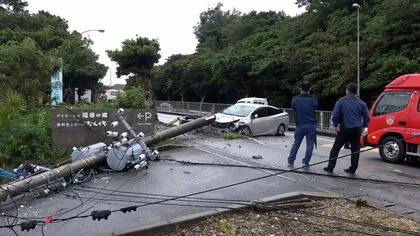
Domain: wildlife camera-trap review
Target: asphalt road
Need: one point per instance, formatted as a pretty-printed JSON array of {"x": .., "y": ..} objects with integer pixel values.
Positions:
[{"x": 163, "y": 179}]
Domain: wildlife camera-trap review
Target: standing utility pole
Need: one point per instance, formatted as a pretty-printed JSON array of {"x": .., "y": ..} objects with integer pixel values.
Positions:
[
  {"x": 358, "y": 49},
  {"x": 110, "y": 77}
]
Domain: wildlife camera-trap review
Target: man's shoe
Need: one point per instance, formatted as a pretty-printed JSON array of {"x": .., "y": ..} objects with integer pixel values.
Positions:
[
  {"x": 290, "y": 164},
  {"x": 348, "y": 171},
  {"x": 305, "y": 165},
  {"x": 326, "y": 169}
]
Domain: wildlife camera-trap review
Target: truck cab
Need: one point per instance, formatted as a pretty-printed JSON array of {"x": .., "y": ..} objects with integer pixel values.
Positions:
[{"x": 395, "y": 120}]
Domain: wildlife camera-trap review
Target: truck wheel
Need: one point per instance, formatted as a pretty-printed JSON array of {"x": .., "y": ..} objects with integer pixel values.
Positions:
[{"x": 392, "y": 150}]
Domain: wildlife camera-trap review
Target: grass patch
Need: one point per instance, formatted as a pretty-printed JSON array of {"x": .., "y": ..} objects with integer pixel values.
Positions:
[
  {"x": 233, "y": 136},
  {"x": 227, "y": 227},
  {"x": 167, "y": 144}
]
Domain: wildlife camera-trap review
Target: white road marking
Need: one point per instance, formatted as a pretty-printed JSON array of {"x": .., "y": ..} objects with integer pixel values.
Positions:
[
  {"x": 368, "y": 149},
  {"x": 262, "y": 163},
  {"x": 256, "y": 140},
  {"x": 325, "y": 139},
  {"x": 243, "y": 163}
]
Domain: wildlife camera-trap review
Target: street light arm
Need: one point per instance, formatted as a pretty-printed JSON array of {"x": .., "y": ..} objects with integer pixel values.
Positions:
[
  {"x": 356, "y": 5},
  {"x": 99, "y": 30}
]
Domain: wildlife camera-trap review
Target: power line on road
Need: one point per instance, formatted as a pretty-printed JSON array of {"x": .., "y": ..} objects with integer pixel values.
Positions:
[
  {"x": 104, "y": 214},
  {"x": 412, "y": 184}
]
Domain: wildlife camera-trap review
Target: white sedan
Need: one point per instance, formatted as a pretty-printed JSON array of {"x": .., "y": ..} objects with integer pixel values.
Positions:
[{"x": 253, "y": 119}]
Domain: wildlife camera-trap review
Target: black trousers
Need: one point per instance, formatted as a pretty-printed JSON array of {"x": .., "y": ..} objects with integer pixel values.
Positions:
[{"x": 351, "y": 135}]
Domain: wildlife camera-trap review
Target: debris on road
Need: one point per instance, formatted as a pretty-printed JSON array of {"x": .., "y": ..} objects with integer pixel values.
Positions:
[
  {"x": 331, "y": 217},
  {"x": 122, "y": 154},
  {"x": 257, "y": 157}
]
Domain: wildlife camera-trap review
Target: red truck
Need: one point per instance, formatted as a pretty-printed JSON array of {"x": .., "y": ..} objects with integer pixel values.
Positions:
[{"x": 395, "y": 115}]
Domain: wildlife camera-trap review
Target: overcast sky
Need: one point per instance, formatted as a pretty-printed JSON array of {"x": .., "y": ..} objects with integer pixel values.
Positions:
[{"x": 170, "y": 21}]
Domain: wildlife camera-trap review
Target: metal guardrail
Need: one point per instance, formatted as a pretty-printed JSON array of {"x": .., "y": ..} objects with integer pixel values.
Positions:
[{"x": 324, "y": 122}]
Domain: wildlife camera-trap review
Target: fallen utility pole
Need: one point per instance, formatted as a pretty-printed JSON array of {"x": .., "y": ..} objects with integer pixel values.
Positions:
[{"x": 18, "y": 187}]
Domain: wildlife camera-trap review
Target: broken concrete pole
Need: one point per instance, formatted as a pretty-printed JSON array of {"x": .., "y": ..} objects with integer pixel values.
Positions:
[
  {"x": 18, "y": 187},
  {"x": 175, "y": 131}
]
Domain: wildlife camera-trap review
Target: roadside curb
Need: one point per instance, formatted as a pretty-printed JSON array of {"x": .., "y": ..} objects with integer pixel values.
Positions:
[{"x": 166, "y": 226}]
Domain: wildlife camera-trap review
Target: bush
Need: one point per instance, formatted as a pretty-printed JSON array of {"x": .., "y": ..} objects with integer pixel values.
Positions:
[
  {"x": 26, "y": 133},
  {"x": 101, "y": 104},
  {"x": 135, "y": 97}
]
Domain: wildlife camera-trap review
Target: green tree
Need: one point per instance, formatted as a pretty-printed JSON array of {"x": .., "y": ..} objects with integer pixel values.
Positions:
[
  {"x": 199, "y": 74},
  {"x": 268, "y": 53},
  {"x": 14, "y": 6},
  {"x": 81, "y": 68},
  {"x": 25, "y": 68},
  {"x": 209, "y": 29},
  {"x": 136, "y": 59},
  {"x": 47, "y": 30}
]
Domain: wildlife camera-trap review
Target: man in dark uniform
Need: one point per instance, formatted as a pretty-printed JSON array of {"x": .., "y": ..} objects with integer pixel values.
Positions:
[
  {"x": 350, "y": 117},
  {"x": 304, "y": 105}
]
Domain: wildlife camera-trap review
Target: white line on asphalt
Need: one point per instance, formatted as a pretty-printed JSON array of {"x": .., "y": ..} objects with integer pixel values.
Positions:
[
  {"x": 256, "y": 140},
  {"x": 325, "y": 139},
  {"x": 243, "y": 163},
  {"x": 366, "y": 149},
  {"x": 262, "y": 163}
]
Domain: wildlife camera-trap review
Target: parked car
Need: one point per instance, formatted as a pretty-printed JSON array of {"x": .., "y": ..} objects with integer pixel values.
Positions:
[
  {"x": 253, "y": 119},
  {"x": 111, "y": 94},
  {"x": 165, "y": 106},
  {"x": 253, "y": 100}
]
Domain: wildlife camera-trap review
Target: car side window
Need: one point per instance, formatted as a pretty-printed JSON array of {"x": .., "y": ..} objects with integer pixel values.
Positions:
[
  {"x": 391, "y": 102},
  {"x": 272, "y": 111},
  {"x": 418, "y": 106},
  {"x": 261, "y": 112}
]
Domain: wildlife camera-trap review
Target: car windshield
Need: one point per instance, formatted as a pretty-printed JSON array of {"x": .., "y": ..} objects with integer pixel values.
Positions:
[{"x": 238, "y": 110}]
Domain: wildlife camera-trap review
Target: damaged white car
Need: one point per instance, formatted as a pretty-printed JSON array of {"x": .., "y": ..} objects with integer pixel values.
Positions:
[{"x": 253, "y": 119}]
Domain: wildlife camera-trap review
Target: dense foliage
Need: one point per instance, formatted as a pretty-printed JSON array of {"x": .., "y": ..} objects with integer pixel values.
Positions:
[
  {"x": 34, "y": 46},
  {"x": 26, "y": 132},
  {"x": 268, "y": 53}
]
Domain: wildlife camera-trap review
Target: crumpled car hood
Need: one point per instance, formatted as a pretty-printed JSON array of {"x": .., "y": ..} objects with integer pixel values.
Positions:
[{"x": 222, "y": 118}]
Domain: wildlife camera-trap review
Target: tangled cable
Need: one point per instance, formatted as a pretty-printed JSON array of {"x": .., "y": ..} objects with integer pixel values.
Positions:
[{"x": 104, "y": 214}]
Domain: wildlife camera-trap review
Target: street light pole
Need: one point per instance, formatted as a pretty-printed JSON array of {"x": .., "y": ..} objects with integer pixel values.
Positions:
[
  {"x": 110, "y": 77},
  {"x": 358, "y": 49}
]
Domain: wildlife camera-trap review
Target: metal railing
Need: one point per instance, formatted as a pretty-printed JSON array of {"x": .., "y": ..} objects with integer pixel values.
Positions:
[
  {"x": 324, "y": 122},
  {"x": 190, "y": 108}
]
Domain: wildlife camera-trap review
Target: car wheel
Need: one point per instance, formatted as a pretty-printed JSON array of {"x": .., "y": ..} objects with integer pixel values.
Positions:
[
  {"x": 281, "y": 130},
  {"x": 245, "y": 131},
  {"x": 392, "y": 150}
]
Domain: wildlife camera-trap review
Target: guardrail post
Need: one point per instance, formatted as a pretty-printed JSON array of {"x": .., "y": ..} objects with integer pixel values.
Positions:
[
  {"x": 322, "y": 120},
  {"x": 188, "y": 107}
]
